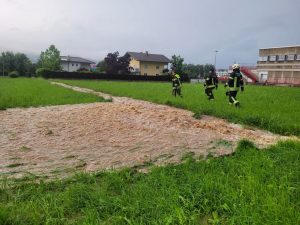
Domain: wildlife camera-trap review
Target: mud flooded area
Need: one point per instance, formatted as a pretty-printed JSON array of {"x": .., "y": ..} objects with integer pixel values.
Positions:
[{"x": 56, "y": 141}]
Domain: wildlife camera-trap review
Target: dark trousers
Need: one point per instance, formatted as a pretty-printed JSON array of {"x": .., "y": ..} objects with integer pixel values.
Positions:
[
  {"x": 176, "y": 90},
  {"x": 209, "y": 93},
  {"x": 232, "y": 97}
]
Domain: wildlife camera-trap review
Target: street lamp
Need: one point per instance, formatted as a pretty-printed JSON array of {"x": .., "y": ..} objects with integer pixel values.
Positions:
[{"x": 216, "y": 51}]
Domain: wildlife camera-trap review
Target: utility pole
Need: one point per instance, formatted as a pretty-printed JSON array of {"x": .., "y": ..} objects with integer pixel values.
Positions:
[{"x": 216, "y": 51}]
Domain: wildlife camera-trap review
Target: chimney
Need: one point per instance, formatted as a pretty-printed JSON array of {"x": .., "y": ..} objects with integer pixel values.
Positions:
[{"x": 147, "y": 53}]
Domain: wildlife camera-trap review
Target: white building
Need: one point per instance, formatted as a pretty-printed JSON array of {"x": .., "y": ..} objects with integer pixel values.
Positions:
[
  {"x": 71, "y": 64},
  {"x": 222, "y": 72}
]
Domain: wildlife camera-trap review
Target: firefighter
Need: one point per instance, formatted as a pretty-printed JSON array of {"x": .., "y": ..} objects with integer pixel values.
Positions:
[
  {"x": 211, "y": 82},
  {"x": 235, "y": 82},
  {"x": 176, "y": 84}
]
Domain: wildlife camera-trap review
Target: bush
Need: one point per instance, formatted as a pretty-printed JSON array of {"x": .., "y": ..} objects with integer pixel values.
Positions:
[
  {"x": 85, "y": 71},
  {"x": 28, "y": 74},
  {"x": 40, "y": 72},
  {"x": 13, "y": 74},
  {"x": 82, "y": 69}
]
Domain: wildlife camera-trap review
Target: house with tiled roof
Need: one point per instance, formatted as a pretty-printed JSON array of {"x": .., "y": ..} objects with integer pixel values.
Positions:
[
  {"x": 148, "y": 64},
  {"x": 71, "y": 64}
]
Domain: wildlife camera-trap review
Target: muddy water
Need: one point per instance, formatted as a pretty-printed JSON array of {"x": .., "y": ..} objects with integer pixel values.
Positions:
[{"x": 58, "y": 140}]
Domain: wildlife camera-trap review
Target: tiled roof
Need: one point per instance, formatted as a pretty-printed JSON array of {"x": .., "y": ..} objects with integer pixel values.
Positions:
[
  {"x": 75, "y": 59},
  {"x": 141, "y": 56}
]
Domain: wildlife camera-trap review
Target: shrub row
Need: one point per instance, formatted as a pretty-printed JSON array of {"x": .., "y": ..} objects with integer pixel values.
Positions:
[
  {"x": 14, "y": 74},
  {"x": 81, "y": 75}
]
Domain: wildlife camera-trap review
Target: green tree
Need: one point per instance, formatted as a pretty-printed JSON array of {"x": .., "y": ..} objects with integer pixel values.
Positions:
[
  {"x": 50, "y": 59},
  {"x": 101, "y": 67},
  {"x": 193, "y": 71},
  {"x": 200, "y": 69},
  {"x": 208, "y": 67},
  {"x": 15, "y": 62},
  {"x": 116, "y": 64},
  {"x": 177, "y": 63},
  {"x": 7, "y": 62},
  {"x": 22, "y": 64},
  {"x": 196, "y": 71}
]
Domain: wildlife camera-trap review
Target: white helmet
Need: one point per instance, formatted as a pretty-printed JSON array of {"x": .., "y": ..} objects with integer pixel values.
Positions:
[{"x": 235, "y": 66}]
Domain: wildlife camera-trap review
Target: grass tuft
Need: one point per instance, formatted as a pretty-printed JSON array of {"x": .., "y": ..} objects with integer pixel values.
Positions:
[
  {"x": 15, "y": 165},
  {"x": 245, "y": 144}
]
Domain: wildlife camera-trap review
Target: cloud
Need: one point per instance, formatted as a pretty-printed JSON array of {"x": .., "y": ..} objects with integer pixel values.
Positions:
[{"x": 191, "y": 28}]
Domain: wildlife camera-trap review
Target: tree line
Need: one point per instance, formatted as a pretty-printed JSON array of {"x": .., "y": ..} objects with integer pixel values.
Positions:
[
  {"x": 18, "y": 64},
  {"x": 191, "y": 70},
  {"x": 113, "y": 63}
]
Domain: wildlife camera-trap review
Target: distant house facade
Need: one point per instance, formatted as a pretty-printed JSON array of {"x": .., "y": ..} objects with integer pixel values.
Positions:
[
  {"x": 222, "y": 72},
  {"x": 71, "y": 64},
  {"x": 279, "y": 65},
  {"x": 148, "y": 64}
]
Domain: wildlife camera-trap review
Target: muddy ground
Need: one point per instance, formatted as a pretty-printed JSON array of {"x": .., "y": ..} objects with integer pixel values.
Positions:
[{"x": 57, "y": 140}]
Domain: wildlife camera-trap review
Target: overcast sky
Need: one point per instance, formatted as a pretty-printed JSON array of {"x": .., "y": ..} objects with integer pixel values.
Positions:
[{"x": 193, "y": 29}]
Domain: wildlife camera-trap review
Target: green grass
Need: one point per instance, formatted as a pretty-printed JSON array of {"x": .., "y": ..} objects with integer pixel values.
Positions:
[
  {"x": 276, "y": 109},
  {"x": 28, "y": 92},
  {"x": 250, "y": 187}
]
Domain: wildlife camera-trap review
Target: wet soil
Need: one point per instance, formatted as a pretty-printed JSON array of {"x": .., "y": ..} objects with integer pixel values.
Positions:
[{"x": 56, "y": 141}]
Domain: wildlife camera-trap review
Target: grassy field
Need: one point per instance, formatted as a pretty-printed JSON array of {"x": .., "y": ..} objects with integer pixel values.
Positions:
[
  {"x": 276, "y": 109},
  {"x": 251, "y": 187},
  {"x": 27, "y": 92}
]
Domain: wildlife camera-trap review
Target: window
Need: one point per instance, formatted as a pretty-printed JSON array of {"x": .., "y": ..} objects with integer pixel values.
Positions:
[
  {"x": 72, "y": 64},
  {"x": 263, "y": 58},
  {"x": 157, "y": 67},
  {"x": 290, "y": 57},
  {"x": 272, "y": 58},
  {"x": 146, "y": 66},
  {"x": 298, "y": 57},
  {"x": 76, "y": 64},
  {"x": 145, "y": 74},
  {"x": 281, "y": 58}
]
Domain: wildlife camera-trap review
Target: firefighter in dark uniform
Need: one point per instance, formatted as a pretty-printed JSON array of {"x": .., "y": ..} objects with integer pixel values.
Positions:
[
  {"x": 176, "y": 84},
  {"x": 211, "y": 82},
  {"x": 235, "y": 82}
]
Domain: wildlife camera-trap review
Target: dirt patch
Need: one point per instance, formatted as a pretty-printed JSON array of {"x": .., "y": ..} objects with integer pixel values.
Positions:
[{"x": 58, "y": 140}]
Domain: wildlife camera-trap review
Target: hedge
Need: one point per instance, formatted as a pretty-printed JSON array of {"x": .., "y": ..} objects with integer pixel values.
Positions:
[
  {"x": 79, "y": 75},
  {"x": 40, "y": 72},
  {"x": 14, "y": 74}
]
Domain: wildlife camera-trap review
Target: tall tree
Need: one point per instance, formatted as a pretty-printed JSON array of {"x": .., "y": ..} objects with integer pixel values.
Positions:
[
  {"x": 193, "y": 71},
  {"x": 177, "y": 63},
  {"x": 116, "y": 64},
  {"x": 124, "y": 62},
  {"x": 207, "y": 68},
  {"x": 7, "y": 61},
  {"x": 111, "y": 61},
  {"x": 15, "y": 62},
  {"x": 101, "y": 66},
  {"x": 22, "y": 63},
  {"x": 50, "y": 59}
]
